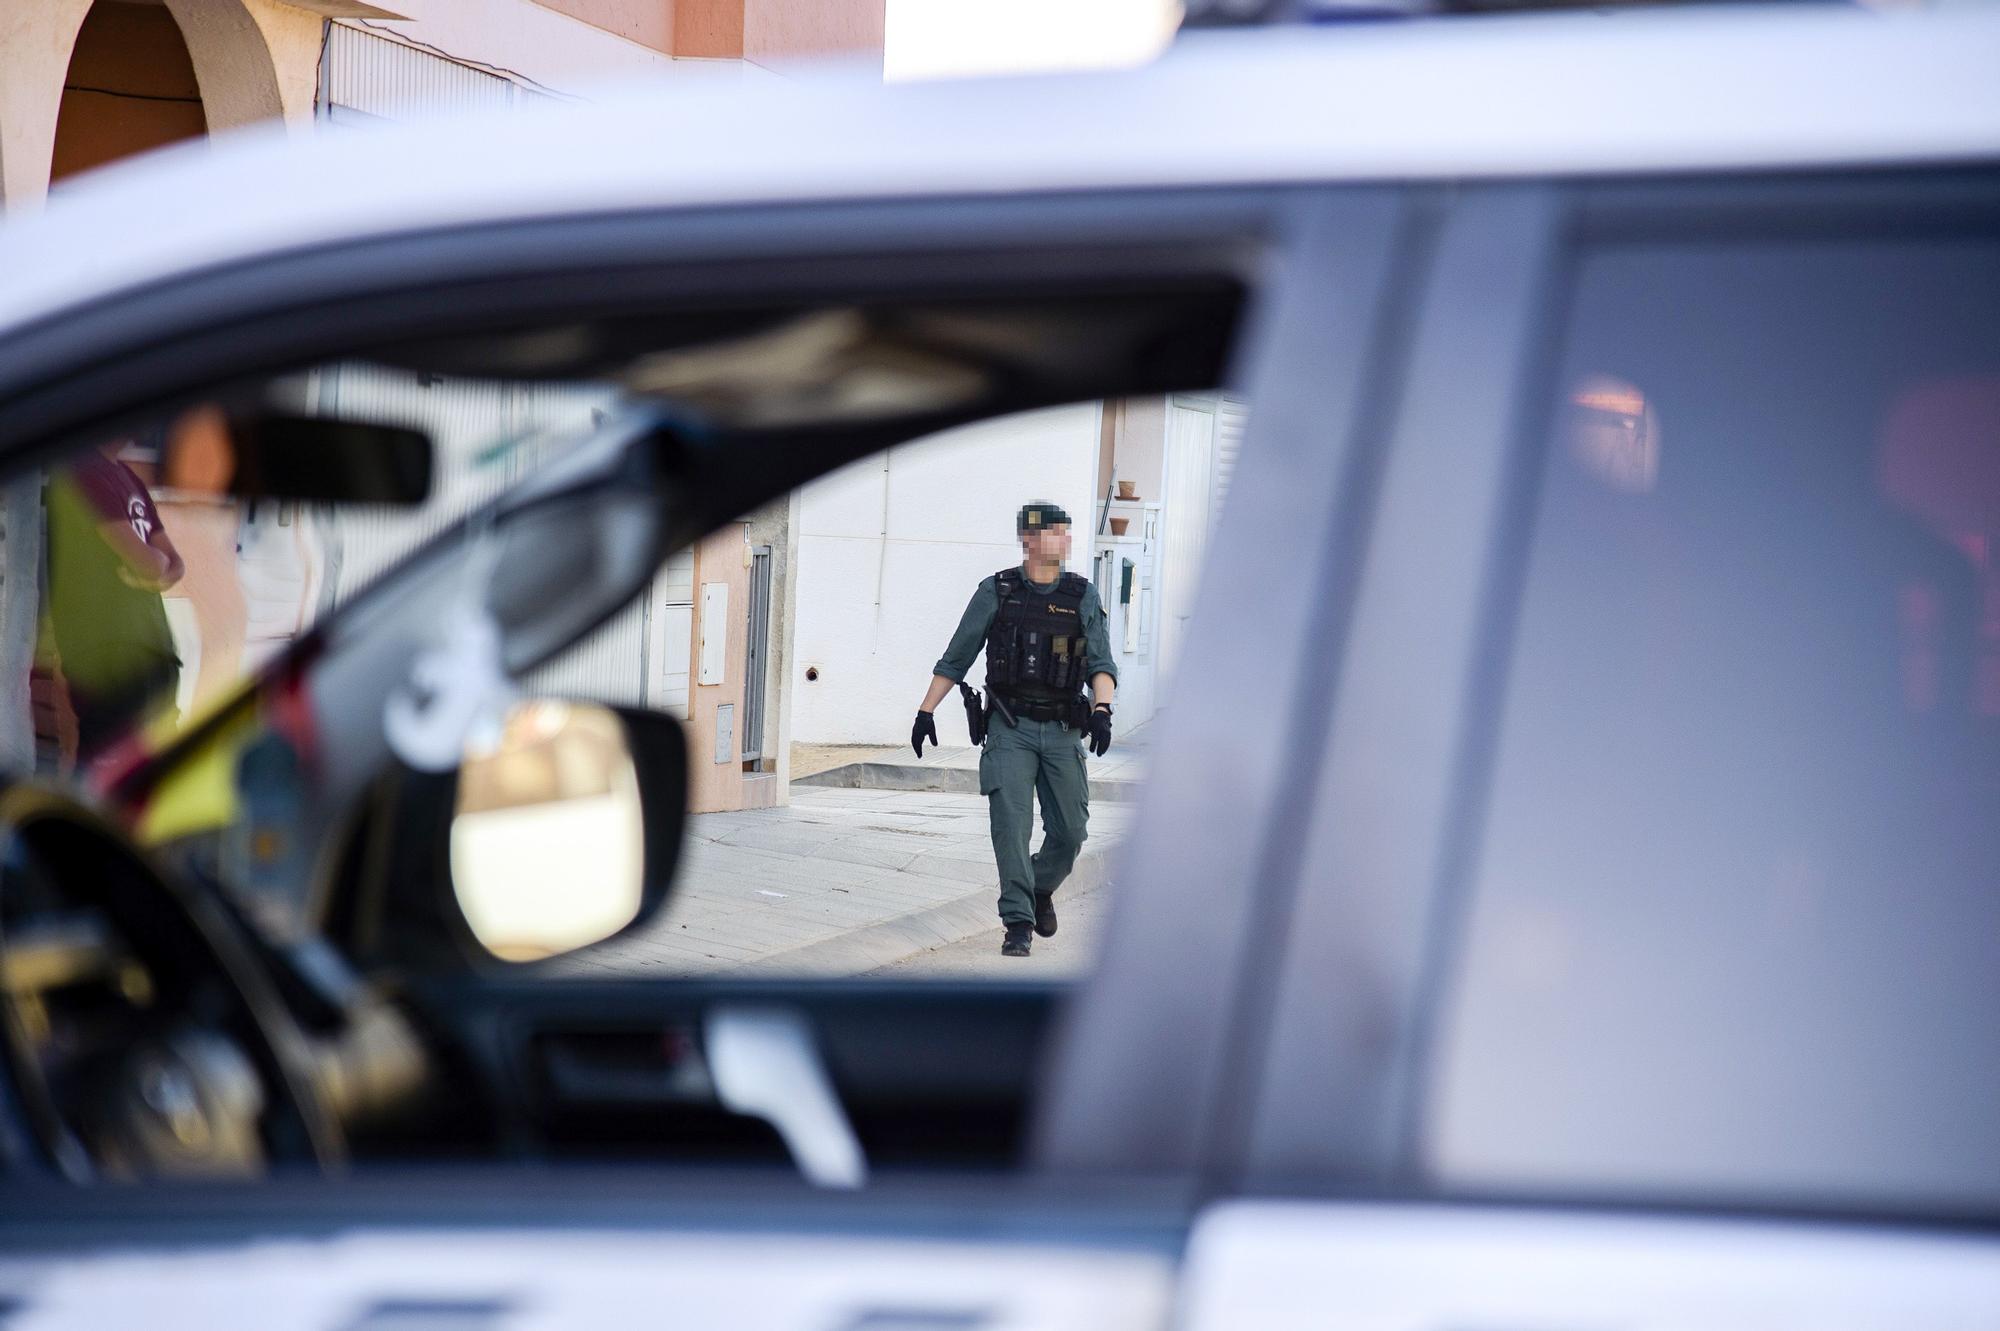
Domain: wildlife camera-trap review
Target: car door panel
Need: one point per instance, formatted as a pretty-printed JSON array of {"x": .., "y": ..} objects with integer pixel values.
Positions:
[
  {"x": 583, "y": 1246},
  {"x": 1291, "y": 1265},
  {"x": 1371, "y": 1007},
  {"x": 908, "y": 1060},
  {"x": 1334, "y": 1065},
  {"x": 933, "y": 1075},
  {"x": 1146, "y": 1051},
  {"x": 1134, "y": 1083}
]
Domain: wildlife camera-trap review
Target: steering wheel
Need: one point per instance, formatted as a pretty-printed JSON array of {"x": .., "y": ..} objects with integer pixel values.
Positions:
[{"x": 141, "y": 1033}]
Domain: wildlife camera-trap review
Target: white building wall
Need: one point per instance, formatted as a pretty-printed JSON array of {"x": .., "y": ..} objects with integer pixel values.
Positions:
[{"x": 890, "y": 550}]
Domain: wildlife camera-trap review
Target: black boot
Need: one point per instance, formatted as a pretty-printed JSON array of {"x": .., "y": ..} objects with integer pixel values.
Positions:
[
  {"x": 1017, "y": 941},
  {"x": 1045, "y": 914}
]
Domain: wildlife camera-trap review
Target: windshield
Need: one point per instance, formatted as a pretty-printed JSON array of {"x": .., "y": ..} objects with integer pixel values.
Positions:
[{"x": 159, "y": 594}]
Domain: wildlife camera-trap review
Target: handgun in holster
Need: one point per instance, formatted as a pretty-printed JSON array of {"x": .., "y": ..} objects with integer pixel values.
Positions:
[
  {"x": 975, "y": 714},
  {"x": 1079, "y": 712}
]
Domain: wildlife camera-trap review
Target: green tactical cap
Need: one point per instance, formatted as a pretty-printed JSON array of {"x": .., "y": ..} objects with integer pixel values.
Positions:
[{"x": 1035, "y": 516}]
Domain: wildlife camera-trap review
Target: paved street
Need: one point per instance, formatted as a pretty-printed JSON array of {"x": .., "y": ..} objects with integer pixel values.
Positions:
[
  {"x": 841, "y": 882},
  {"x": 867, "y": 876},
  {"x": 1082, "y": 912},
  {"x": 850, "y": 880}
]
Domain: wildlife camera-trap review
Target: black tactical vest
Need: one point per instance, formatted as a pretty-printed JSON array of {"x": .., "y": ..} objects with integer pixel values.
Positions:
[{"x": 1035, "y": 646}]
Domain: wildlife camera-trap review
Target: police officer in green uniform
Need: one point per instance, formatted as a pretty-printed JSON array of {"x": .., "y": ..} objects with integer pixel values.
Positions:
[{"x": 1046, "y": 643}]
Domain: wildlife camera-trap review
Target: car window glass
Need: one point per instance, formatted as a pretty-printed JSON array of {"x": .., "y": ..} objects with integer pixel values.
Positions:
[
  {"x": 798, "y": 644},
  {"x": 157, "y": 593},
  {"x": 1734, "y": 911}
]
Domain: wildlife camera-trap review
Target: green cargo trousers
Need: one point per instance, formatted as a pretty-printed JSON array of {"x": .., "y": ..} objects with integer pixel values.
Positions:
[{"x": 1035, "y": 759}]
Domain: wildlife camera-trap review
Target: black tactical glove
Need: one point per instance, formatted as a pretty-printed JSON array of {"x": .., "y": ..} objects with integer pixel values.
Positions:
[
  {"x": 924, "y": 729},
  {"x": 1099, "y": 730}
]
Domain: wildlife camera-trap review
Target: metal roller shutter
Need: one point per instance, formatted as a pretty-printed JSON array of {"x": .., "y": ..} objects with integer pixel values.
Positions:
[{"x": 367, "y": 77}]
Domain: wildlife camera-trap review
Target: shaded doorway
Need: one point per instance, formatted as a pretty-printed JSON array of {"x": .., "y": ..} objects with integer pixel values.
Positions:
[{"x": 130, "y": 88}]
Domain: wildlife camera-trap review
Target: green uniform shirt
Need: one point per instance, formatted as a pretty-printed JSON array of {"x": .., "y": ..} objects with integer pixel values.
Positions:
[{"x": 974, "y": 624}]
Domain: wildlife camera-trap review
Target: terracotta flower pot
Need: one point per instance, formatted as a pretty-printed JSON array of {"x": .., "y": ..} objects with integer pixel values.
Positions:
[
  {"x": 1118, "y": 526},
  {"x": 1128, "y": 489}
]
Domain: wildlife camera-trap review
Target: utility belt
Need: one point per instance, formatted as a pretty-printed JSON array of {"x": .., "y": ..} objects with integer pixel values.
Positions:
[
  {"x": 979, "y": 713},
  {"x": 1073, "y": 712}
]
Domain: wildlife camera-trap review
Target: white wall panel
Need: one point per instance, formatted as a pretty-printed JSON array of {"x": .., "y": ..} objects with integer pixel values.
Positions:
[
  {"x": 847, "y": 502},
  {"x": 952, "y": 501},
  {"x": 715, "y": 626},
  {"x": 968, "y": 484}
]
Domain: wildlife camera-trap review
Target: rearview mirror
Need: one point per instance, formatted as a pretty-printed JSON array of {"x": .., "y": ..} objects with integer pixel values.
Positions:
[
  {"x": 315, "y": 459},
  {"x": 566, "y": 826}
]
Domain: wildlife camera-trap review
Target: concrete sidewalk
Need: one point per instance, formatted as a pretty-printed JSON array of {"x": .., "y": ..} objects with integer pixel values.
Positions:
[
  {"x": 843, "y": 881},
  {"x": 1115, "y": 777},
  {"x": 880, "y": 860}
]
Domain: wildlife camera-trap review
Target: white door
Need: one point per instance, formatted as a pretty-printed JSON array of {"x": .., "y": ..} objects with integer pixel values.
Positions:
[{"x": 672, "y": 642}]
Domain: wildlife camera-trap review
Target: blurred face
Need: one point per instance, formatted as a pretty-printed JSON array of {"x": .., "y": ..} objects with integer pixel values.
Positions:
[{"x": 1047, "y": 544}]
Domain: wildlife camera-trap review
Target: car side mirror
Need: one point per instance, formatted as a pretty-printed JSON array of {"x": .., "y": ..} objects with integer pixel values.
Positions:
[{"x": 566, "y": 827}]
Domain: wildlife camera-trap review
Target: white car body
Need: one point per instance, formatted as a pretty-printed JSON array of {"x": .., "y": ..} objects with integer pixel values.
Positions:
[
  {"x": 1490, "y": 99},
  {"x": 1588, "y": 94}
]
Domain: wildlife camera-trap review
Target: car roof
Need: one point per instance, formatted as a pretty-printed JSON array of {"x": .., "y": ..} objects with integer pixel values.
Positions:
[{"x": 1652, "y": 92}]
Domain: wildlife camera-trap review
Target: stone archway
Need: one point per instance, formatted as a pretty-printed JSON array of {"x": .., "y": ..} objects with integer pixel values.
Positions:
[
  {"x": 255, "y": 60},
  {"x": 130, "y": 88},
  {"x": 35, "y": 45}
]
